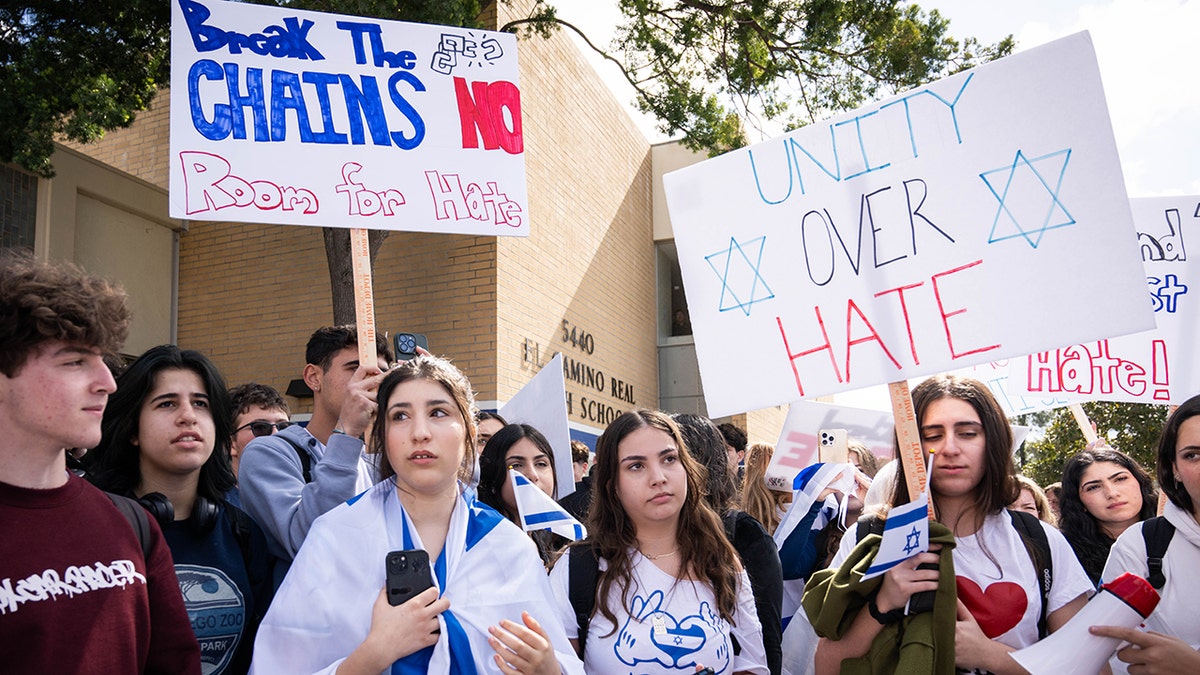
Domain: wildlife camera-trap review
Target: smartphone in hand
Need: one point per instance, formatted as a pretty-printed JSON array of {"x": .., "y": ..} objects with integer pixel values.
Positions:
[{"x": 408, "y": 574}]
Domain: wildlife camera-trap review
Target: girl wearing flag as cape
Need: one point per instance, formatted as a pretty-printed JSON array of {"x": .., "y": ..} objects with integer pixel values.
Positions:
[
  {"x": 668, "y": 592},
  {"x": 999, "y": 601},
  {"x": 490, "y": 608}
]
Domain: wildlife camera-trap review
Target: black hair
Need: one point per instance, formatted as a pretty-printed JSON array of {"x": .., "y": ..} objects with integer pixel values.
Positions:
[
  {"x": 1078, "y": 525},
  {"x": 493, "y": 469},
  {"x": 329, "y": 340},
  {"x": 705, "y": 442},
  {"x": 733, "y": 435},
  {"x": 1167, "y": 447},
  {"x": 115, "y": 464},
  {"x": 243, "y": 396}
]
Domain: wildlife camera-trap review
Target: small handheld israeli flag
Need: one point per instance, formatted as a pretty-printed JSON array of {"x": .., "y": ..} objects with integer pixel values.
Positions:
[
  {"x": 538, "y": 511},
  {"x": 905, "y": 534}
]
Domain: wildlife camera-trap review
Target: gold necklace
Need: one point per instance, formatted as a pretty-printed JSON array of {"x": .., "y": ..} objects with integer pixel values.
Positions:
[{"x": 660, "y": 556}]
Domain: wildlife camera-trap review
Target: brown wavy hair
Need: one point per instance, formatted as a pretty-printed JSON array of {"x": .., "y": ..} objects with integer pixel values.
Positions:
[
  {"x": 704, "y": 553},
  {"x": 456, "y": 384},
  {"x": 41, "y": 301},
  {"x": 758, "y": 500}
]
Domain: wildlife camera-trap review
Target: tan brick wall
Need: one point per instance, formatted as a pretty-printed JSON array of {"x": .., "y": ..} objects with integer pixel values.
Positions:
[
  {"x": 249, "y": 295},
  {"x": 590, "y": 257},
  {"x": 141, "y": 149}
]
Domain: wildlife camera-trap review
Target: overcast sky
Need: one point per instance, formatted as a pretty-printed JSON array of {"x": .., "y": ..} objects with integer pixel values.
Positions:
[{"x": 1148, "y": 50}]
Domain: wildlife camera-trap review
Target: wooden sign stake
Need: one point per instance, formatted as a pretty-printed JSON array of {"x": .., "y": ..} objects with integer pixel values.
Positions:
[
  {"x": 364, "y": 301},
  {"x": 909, "y": 436},
  {"x": 1085, "y": 425}
]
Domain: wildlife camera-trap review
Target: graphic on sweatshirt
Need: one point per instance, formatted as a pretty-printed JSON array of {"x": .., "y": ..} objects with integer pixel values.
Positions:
[{"x": 217, "y": 611}]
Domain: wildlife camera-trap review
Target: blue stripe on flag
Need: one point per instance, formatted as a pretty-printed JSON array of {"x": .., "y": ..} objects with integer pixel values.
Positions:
[
  {"x": 902, "y": 519},
  {"x": 547, "y": 517}
]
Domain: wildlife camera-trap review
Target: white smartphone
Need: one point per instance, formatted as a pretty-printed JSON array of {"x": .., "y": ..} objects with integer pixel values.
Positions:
[{"x": 833, "y": 447}]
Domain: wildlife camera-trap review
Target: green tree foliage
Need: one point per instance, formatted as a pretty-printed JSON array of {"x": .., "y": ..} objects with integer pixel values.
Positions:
[
  {"x": 74, "y": 70},
  {"x": 708, "y": 70},
  {"x": 1132, "y": 428}
]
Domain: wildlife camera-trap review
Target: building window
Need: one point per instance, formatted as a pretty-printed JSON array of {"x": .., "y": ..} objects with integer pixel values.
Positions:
[
  {"x": 18, "y": 208},
  {"x": 674, "y": 319}
]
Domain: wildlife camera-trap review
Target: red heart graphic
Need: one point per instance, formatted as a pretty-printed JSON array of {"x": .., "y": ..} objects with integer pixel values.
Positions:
[{"x": 998, "y": 609}]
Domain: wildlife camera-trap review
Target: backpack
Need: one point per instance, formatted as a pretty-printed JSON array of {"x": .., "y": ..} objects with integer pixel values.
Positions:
[
  {"x": 583, "y": 574},
  {"x": 1157, "y": 533},
  {"x": 305, "y": 458},
  {"x": 138, "y": 519},
  {"x": 1036, "y": 543}
]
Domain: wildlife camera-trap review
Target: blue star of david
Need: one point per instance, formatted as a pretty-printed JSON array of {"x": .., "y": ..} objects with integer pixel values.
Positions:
[
  {"x": 739, "y": 275},
  {"x": 1029, "y": 206},
  {"x": 912, "y": 541}
]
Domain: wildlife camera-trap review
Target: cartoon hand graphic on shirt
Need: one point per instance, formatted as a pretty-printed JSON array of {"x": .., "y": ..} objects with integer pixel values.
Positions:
[{"x": 652, "y": 635}]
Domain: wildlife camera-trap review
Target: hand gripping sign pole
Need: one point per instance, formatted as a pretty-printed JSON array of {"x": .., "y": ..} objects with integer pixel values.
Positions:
[{"x": 909, "y": 437}]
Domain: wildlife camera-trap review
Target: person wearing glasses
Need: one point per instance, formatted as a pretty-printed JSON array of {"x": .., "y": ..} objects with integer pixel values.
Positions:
[
  {"x": 290, "y": 478},
  {"x": 258, "y": 410}
]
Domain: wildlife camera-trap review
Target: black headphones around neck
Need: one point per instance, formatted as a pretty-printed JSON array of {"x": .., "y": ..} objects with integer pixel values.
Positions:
[{"x": 204, "y": 512}]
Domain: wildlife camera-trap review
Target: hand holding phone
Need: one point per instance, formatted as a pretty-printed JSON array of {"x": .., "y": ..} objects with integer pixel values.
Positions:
[{"x": 408, "y": 574}]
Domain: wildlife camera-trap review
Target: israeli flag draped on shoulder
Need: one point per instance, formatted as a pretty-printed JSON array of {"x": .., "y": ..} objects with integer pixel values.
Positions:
[
  {"x": 805, "y": 518},
  {"x": 539, "y": 511},
  {"x": 905, "y": 534}
]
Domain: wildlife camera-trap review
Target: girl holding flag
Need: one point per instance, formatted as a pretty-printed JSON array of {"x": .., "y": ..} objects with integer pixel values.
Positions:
[
  {"x": 490, "y": 608},
  {"x": 669, "y": 594},
  {"x": 524, "y": 449},
  {"x": 999, "y": 602}
]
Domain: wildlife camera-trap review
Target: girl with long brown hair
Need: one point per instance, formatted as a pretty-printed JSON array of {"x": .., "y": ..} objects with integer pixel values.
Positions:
[{"x": 670, "y": 594}]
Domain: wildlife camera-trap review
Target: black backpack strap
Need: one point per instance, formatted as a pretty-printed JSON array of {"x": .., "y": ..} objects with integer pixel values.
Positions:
[
  {"x": 138, "y": 520},
  {"x": 1034, "y": 536},
  {"x": 1157, "y": 533},
  {"x": 583, "y": 573},
  {"x": 305, "y": 458}
]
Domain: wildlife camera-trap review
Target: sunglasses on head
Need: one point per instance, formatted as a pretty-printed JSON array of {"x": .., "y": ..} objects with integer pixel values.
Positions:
[{"x": 263, "y": 428}]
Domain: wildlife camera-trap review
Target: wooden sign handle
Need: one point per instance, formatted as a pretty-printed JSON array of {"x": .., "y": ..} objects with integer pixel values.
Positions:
[
  {"x": 909, "y": 436},
  {"x": 364, "y": 301},
  {"x": 1162, "y": 495},
  {"x": 1085, "y": 425}
]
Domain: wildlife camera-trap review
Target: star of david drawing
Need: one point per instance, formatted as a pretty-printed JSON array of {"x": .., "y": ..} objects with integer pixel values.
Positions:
[
  {"x": 1028, "y": 194},
  {"x": 741, "y": 283},
  {"x": 912, "y": 540}
]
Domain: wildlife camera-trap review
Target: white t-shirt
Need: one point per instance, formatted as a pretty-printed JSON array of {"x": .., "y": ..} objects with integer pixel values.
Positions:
[
  {"x": 1176, "y": 611},
  {"x": 670, "y": 625},
  {"x": 1002, "y": 592}
]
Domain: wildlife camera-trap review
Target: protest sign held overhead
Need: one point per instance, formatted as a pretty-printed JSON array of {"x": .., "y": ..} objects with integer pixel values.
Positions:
[
  {"x": 1155, "y": 366},
  {"x": 286, "y": 116},
  {"x": 947, "y": 226}
]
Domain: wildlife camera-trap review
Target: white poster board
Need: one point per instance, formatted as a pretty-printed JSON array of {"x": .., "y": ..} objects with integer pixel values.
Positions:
[
  {"x": 1155, "y": 366},
  {"x": 542, "y": 404},
  {"x": 797, "y": 446},
  {"x": 949, "y": 226},
  {"x": 293, "y": 117}
]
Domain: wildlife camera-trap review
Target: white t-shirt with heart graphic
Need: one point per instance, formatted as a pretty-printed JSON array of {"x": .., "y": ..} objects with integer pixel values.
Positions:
[
  {"x": 998, "y": 583},
  {"x": 1002, "y": 593},
  {"x": 670, "y": 625}
]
